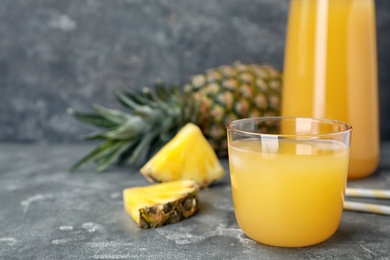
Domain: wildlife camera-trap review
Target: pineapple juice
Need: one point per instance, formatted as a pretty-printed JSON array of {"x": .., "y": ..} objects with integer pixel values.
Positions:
[
  {"x": 288, "y": 193},
  {"x": 331, "y": 71}
]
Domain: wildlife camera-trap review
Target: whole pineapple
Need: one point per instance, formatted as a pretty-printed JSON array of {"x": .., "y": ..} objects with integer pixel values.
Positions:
[{"x": 152, "y": 118}]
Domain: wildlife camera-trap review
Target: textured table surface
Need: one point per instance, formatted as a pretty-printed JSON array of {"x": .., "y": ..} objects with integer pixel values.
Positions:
[{"x": 48, "y": 213}]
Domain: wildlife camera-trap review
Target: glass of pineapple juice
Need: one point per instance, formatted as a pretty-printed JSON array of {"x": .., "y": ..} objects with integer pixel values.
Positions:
[{"x": 288, "y": 177}]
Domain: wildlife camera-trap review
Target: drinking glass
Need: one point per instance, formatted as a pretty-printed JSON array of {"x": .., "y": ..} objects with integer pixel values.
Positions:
[{"x": 288, "y": 177}]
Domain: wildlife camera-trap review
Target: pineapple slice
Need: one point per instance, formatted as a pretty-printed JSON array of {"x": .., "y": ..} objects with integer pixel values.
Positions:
[
  {"x": 161, "y": 204},
  {"x": 187, "y": 156}
]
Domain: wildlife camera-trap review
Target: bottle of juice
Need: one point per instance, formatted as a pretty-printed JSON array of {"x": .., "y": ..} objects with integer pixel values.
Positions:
[{"x": 330, "y": 71}]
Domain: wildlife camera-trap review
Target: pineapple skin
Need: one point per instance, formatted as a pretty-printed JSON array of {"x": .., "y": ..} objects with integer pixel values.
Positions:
[
  {"x": 151, "y": 208},
  {"x": 169, "y": 213},
  {"x": 228, "y": 93}
]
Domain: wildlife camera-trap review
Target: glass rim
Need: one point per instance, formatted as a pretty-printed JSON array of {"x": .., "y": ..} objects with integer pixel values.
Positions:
[{"x": 348, "y": 127}]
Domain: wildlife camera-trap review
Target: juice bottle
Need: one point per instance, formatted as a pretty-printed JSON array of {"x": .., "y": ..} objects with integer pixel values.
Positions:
[
  {"x": 293, "y": 195},
  {"x": 330, "y": 71}
]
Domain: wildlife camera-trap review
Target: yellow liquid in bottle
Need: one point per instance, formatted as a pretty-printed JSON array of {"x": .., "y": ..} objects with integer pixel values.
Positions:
[{"x": 330, "y": 71}]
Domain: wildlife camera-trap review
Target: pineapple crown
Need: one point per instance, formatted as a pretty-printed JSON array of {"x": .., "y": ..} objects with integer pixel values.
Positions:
[{"x": 150, "y": 119}]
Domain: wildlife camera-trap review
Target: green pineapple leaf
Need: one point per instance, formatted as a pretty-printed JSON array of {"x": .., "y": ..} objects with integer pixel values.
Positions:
[
  {"x": 92, "y": 119},
  {"x": 102, "y": 150},
  {"x": 112, "y": 115},
  {"x": 142, "y": 146},
  {"x": 105, "y": 161}
]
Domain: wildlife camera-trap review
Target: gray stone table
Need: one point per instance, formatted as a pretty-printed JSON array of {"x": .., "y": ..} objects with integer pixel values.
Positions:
[{"x": 48, "y": 213}]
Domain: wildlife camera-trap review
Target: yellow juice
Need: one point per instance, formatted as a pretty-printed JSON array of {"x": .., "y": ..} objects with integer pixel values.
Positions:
[
  {"x": 330, "y": 71},
  {"x": 288, "y": 193}
]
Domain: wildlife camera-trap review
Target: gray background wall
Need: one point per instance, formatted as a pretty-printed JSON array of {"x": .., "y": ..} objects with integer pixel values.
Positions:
[{"x": 56, "y": 54}]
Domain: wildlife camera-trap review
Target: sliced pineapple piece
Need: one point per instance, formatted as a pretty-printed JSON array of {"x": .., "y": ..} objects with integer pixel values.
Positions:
[
  {"x": 187, "y": 156},
  {"x": 161, "y": 204}
]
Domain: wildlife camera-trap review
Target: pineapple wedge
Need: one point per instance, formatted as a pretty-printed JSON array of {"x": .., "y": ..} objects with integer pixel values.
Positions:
[
  {"x": 161, "y": 204},
  {"x": 187, "y": 156}
]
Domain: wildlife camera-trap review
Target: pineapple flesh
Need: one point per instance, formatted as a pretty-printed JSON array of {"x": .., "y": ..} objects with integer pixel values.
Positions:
[
  {"x": 151, "y": 118},
  {"x": 187, "y": 156},
  {"x": 161, "y": 204}
]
